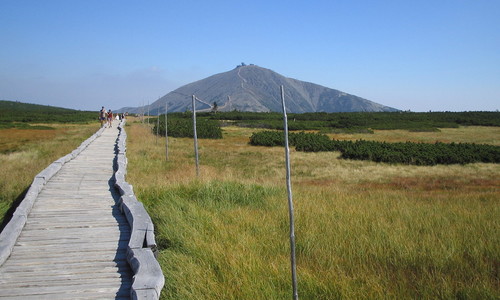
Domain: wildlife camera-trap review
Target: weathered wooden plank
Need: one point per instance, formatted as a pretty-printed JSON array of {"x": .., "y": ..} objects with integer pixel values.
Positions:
[
  {"x": 58, "y": 217},
  {"x": 98, "y": 224},
  {"x": 69, "y": 290},
  {"x": 117, "y": 282},
  {"x": 91, "y": 256},
  {"x": 65, "y": 208},
  {"x": 73, "y": 241},
  {"x": 75, "y": 296},
  {"x": 103, "y": 245},
  {"x": 92, "y": 235},
  {"x": 76, "y": 267},
  {"x": 70, "y": 232},
  {"x": 53, "y": 255},
  {"x": 72, "y": 226},
  {"x": 96, "y": 234},
  {"x": 85, "y": 237},
  {"x": 53, "y": 278}
]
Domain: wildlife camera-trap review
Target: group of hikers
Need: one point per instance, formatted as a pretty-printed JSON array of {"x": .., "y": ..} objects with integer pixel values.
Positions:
[{"x": 106, "y": 117}]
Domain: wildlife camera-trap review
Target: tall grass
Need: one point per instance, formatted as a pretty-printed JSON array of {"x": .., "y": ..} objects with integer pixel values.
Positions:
[
  {"x": 26, "y": 152},
  {"x": 364, "y": 230}
]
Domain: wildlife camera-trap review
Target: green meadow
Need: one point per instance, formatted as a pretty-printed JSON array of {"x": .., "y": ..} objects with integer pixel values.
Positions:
[{"x": 364, "y": 230}]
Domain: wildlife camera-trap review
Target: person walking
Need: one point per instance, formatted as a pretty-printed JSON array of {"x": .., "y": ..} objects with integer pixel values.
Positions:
[
  {"x": 110, "y": 118},
  {"x": 102, "y": 116}
]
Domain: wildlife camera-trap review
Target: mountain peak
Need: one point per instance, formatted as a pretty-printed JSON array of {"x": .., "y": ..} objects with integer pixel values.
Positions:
[{"x": 257, "y": 89}]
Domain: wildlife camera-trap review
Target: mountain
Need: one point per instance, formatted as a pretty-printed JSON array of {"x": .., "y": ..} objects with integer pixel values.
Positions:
[{"x": 253, "y": 88}]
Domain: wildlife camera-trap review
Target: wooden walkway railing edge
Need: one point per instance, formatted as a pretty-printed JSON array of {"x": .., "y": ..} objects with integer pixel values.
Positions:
[
  {"x": 148, "y": 279},
  {"x": 12, "y": 230}
]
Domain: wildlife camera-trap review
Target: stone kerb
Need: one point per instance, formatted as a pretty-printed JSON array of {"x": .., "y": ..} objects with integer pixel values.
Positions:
[
  {"x": 148, "y": 279},
  {"x": 12, "y": 230}
]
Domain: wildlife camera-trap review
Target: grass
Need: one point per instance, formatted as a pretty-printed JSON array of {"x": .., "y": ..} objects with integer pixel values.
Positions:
[
  {"x": 465, "y": 134},
  {"x": 364, "y": 230},
  {"x": 26, "y": 152}
]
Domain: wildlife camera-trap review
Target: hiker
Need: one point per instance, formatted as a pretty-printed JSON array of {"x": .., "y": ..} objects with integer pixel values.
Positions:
[
  {"x": 110, "y": 118},
  {"x": 102, "y": 116}
]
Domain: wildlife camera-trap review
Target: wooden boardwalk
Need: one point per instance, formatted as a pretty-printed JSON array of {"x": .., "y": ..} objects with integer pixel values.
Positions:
[{"x": 74, "y": 243}]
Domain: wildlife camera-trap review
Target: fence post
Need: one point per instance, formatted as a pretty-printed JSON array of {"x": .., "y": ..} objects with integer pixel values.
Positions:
[
  {"x": 157, "y": 126},
  {"x": 148, "y": 113},
  {"x": 166, "y": 130},
  {"x": 195, "y": 138},
  {"x": 290, "y": 202}
]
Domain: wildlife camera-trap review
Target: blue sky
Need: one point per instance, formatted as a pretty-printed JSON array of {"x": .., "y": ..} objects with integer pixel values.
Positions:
[{"x": 418, "y": 55}]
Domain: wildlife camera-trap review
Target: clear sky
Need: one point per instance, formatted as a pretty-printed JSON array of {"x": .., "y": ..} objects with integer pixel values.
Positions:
[{"x": 419, "y": 55}]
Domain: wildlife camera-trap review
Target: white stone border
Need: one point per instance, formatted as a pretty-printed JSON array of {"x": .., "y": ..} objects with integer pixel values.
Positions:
[
  {"x": 12, "y": 230},
  {"x": 148, "y": 278}
]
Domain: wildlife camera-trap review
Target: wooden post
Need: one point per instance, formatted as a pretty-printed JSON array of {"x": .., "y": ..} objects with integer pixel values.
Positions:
[
  {"x": 142, "y": 112},
  {"x": 290, "y": 202},
  {"x": 166, "y": 131},
  {"x": 195, "y": 138},
  {"x": 148, "y": 112},
  {"x": 158, "y": 126}
]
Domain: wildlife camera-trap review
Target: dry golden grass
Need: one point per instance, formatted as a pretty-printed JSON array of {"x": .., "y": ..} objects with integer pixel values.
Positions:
[
  {"x": 25, "y": 152},
  {"x": 466, "y": 134},
  {"x": 13, "y": 139}
]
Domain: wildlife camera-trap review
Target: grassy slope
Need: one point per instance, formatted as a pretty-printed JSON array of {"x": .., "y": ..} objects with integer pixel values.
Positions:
[
  {"x": 18, "y": 114},
  {"x": 364, "y": 230}
]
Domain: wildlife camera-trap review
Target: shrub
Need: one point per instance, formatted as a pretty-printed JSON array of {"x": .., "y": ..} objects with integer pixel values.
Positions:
[
  {"x": 400, "y": 153},
  {"x": 205, "y": 129},
  {"x": 308, "y": 142}
]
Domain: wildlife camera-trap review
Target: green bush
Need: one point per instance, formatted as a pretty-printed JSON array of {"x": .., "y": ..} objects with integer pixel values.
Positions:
[
  {"x": 268, "y": 138},
  {"x": 308, "y": 142},
  {"x": 400, "y": 153},
  {"x": 421, "y": 153},
  {"x": 312, "y": 142},
  {"x": 205, "y": 129}
]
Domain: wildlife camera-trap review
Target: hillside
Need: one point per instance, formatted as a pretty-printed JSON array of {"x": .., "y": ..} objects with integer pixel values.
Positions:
[
  {"x": 13, "y": 111},
  {"x": 256, "y": 89}
]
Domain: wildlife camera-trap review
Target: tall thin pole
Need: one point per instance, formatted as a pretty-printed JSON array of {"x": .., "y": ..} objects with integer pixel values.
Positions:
[
  {"x": 148, "y": 112},
  {"x": 290, "y": 202},
  {"x": 195, "y": 138},
  {"x": 166, "y": 130},
  {"x": 142, "y": 112},
  {"x": 157, "y": 126}
]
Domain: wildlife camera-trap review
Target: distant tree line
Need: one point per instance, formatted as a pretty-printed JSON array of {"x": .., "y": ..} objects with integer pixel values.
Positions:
[
  {"x": 401, "y": 153},
  {"x": 354, "y": 121}
]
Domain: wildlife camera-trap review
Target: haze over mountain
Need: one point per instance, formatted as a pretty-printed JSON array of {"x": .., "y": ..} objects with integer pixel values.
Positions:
[{"x": 253, "y": 88}]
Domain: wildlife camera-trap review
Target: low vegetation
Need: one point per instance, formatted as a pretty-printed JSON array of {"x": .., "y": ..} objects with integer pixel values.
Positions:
[
  {"x": 404, "y": 153},
  {"x": 355, "y": 122},
  {"x": 24, "y": 115},
  {"x": 364, "y": 230},
  {"x": 183, "y": 127}
]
